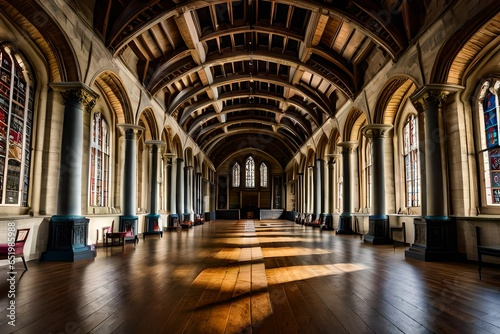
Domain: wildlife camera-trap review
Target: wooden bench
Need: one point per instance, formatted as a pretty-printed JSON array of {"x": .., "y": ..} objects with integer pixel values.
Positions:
[{"x": 493, "y": 250}]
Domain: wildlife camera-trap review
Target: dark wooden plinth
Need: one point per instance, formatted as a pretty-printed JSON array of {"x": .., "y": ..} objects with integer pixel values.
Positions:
[
  {"x": 345, "y": 225},
  {"x": 435, "y": 240},
  {"x": 378, "y": 232}
]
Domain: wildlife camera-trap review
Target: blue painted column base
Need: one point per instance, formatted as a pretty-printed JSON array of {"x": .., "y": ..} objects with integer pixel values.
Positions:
[
  {"x": 378, "y": 231},
  {"x": 67, "y": 242},
  {"x": 345, "y": 225},
  {"x": 435, "y": 240},
  {"x": 153, "y": 226},
  {"x": 129, "y": 224}
]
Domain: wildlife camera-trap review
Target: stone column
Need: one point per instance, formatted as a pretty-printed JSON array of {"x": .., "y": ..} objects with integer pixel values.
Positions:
[
  {"x": 172, "y": 196},
  {"x": 68, "y": 229},
  {"x": 345, "y": 222},
  {"x": 199, "y": 193},
  {"x": 180, "y": 188},
  {"x": 435, "y": 232},
  {"x": 153, "y": 218},
  {"x": 331, "y": 187},
  {"x": 129, "y": 219},
  {"x": 378, "y": 232},
  {"x": 188, "y": 199},
  {"x": 300, "y": 194}
]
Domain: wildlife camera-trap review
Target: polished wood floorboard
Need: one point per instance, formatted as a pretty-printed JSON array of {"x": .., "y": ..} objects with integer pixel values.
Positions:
[{"x": 251, "y": 276}]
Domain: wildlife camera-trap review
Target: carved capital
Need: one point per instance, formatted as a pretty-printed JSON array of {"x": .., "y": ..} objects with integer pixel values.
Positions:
[
  {"x": 375, "y": 131},
  {"x": 432, "y": 96},
  {"x": 78, "y": 96},
  {"x": 77, "y": 93},
  {"x": 348, "y": 146}
]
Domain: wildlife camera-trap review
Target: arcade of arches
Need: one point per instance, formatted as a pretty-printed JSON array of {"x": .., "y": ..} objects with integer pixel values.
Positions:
[{"x": 353, "y": 116}]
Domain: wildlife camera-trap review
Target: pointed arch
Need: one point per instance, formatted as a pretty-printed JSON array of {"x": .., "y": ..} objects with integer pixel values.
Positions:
[
  {"x": 354, "y": 122},
  {"x": 457, "y": 55},
  {"x": 113, "y": 90},
  {"x": 392, "y": 97}
]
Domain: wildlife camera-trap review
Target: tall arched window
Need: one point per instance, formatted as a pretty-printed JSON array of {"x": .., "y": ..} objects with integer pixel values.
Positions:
[
  {"x": 368, "y": 174},
  {"x": 410, "y": 151},
  {"x": 490, "y": 147},
  {"x": 99, "y": 161},
  {"x": 236, "y": 175},
  {"x": 17, "y": 90},
  {"x": 263, "y": 175},
  {"x": 250, "y": 173}
]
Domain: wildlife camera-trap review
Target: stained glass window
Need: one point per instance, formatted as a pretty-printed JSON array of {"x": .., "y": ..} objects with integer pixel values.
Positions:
[
  {"x": 489, "y": 143},
  {"x": 16, "y": 121},
  {"x": 250, "y": 173},
  {"x": 99, "y": 162},
  {"x": 412, "y": 175},
  {"x": 263, "y": 175},
  {"x": 236, "y": 175}
]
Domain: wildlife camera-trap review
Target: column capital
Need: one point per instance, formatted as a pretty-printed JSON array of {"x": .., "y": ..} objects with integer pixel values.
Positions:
[
  {"x": 375, "y": 131},
  {"x": 332, "y": 158},
  {"x": 434, "y": 94},
  {"x": 152, "y": 143},
  {"x": 76, "y": 92},
  {"x": 130, "y": 129},
  {"x": 348, "y": 146}
]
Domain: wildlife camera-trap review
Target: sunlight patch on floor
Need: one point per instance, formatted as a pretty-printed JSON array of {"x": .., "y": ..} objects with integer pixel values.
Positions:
[{"x": 296, "y": 273}]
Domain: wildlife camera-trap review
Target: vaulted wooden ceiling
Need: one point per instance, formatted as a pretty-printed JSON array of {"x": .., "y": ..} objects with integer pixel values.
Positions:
[{"x": 255, "y": 73}]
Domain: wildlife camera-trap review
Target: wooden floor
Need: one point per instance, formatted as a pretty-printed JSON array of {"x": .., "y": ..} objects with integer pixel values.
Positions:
[{"x": 253, "y": 277}]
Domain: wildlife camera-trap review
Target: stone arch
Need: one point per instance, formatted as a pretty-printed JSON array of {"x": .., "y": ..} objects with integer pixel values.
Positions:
[
  {"x": 352, "y": 128},
  {"x": 116, "y": 96},
  {"x": 392, "y": 96},
  {"x": 150, "y": 124},
  {"x": 31, "y": 19},
  {"x": 459, "y": 53}
]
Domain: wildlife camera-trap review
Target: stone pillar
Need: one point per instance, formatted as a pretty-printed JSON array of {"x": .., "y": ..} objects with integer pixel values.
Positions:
[
  {"x": 153, "y": 225},
  {"x": 345, "y": 222},
  {"x": 300, "y": 194},
  {"x": 188, "y": 194},
  {"x": 319, "y": 187},
  {"x": 172, "y": 196},
  {"x": 331, "y": 187},
  {"x": 378, "y": 233},
  {"x": 435, "y": 232},
  {"x": 128, "y": 219},
  {"x": 68, "y": 229},
  {"x": 180, "y": 187},
  {"x": 199, "y": 193}
]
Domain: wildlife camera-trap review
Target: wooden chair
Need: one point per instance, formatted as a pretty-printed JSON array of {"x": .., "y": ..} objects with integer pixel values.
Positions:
[
  {"x": 401, "y": 229},
  {"x": 18, "y": 249},
  {"x": 117, "y": 238}
]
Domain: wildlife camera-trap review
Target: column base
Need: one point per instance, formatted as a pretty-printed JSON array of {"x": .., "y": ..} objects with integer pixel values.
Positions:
[
  {"x": 378, "y": 232},
  {"x": 435, "y": 240},
  {"x": 345, "y": 225},
  {"x": 173, "y": 222},
  {"x": 128, "y": 224},
  {"x": 327, "y": 223},
  {"x": 68, "y": 237},
  {"x": 153, "y": 225}
]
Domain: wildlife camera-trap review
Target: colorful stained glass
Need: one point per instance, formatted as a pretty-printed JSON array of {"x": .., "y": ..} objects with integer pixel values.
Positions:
[{"x": 490, "y": 120}]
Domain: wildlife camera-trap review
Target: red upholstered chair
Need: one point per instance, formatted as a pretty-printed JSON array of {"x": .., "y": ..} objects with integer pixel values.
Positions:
[{"x": 18, "y": 251}]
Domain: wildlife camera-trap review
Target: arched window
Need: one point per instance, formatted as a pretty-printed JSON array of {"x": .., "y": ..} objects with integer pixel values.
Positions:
[
  {"x": 410, "y": 152},
  {"x": 17, "y": 95},
  {"x": 99, "y": 161},
  {"x": 490, "y": 147},
  {"x": 368, "y": 174},
  {"x": 250, "y": 173},
  {"x": 263, "y": 175},
  {"x": 236, "y": 175}
]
